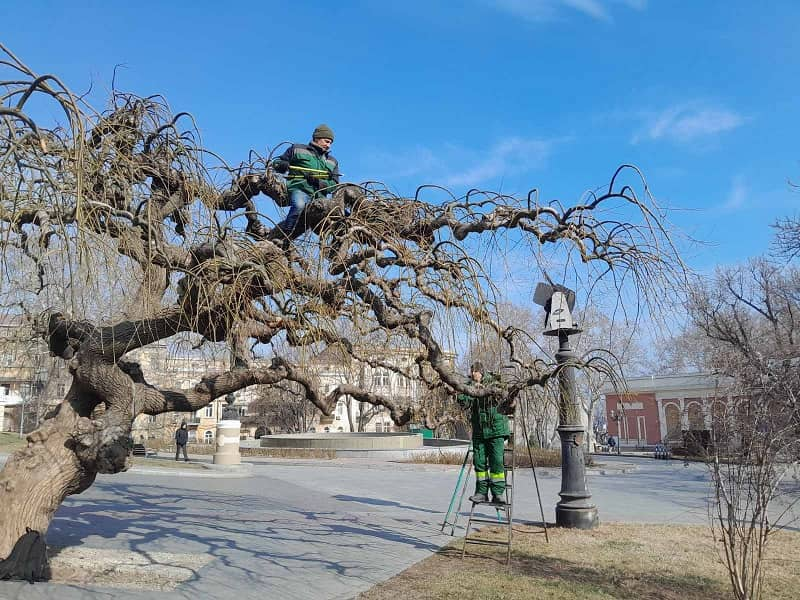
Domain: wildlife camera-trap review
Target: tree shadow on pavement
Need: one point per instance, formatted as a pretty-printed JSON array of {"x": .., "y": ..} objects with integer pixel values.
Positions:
[
  {"x": 253, "y": 538},
  {"x": 381, "y": 502}
]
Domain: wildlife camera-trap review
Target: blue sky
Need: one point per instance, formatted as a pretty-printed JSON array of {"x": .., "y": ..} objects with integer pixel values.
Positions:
[{"x": 496, "y": 94}]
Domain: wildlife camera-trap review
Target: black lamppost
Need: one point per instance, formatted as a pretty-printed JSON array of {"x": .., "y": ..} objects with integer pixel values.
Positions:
[
  {"x": 575, "y": 509},
  {"x": 616, "y": 416}
]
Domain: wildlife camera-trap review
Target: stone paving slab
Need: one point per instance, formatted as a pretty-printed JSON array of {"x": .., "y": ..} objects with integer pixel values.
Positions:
[{"x": 317, "y": 530}]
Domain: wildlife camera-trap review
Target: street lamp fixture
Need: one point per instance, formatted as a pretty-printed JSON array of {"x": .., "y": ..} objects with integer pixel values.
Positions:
[{"x": 575, "y": 509}]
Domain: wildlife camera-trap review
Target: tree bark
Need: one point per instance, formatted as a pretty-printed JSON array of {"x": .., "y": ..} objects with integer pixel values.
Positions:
[{"x": 37, "y": 478}]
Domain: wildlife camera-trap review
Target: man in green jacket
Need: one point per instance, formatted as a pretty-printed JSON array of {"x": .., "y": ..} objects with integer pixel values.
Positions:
[
  {"x": 490, "y": 430},
  {"x": 311, "y": 172}
]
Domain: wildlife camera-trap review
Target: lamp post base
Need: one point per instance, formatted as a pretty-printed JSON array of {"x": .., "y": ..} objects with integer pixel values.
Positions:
[
  {"x": 575, "y": 509},
  {"x": 577, "y": 518}
]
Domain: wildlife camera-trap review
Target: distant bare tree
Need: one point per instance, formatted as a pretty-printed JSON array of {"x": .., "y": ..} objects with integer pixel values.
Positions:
[
  {"x": 614, "y": 349},
  {"x": 787, "y": 234},
  {"x": 750, "y": 317},
  {"x": 281, "y": 407}
]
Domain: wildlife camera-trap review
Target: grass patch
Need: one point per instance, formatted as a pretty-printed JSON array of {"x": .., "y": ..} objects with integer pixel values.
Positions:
[
  {"x": 209, "y": 449},
  {"x": 632, "y": 561},
  {"x": 164, "y": 463},
  {"x": 290, "y": 452},
  {"x": 11, "y": 442},
  {"x": 542, "y": 458}
]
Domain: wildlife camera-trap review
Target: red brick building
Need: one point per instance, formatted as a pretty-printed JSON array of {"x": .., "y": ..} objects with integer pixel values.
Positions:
[{"x": 658, "y": 409}]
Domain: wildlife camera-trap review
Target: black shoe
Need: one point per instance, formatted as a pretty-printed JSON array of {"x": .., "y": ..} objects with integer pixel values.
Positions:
[
  {"x": 498, "y": 501},
  {"x": 278, "y": 237},
  {"x": 479, "y": 498}
]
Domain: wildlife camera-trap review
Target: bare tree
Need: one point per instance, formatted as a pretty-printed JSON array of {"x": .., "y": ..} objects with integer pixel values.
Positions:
[
  {"x": 613, "y": 348},
  {"x": 687, "y": 351},
  {"x": 749, "y": 315},
  {"x": 165, "y": 241},
  {"x": 282, "y": 407}
]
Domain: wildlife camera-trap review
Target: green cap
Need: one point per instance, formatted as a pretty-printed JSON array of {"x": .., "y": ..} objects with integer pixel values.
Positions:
[{"x": 322, "y": 131}]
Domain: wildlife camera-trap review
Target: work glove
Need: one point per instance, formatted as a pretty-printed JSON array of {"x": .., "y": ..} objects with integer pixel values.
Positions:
[
  {"x": 316, "y": 182},
  {"x": 281, "y": 166}
]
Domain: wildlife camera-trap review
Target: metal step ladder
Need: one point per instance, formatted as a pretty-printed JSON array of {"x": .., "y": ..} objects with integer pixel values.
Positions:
[{"x": 504, "y": 512}]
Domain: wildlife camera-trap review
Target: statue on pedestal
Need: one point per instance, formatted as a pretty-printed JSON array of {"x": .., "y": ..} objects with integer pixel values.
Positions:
[{"x": 229, "y": 412}]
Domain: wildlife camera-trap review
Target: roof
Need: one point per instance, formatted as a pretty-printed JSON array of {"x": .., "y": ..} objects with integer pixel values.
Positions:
[{"x": 668, "y": 383}]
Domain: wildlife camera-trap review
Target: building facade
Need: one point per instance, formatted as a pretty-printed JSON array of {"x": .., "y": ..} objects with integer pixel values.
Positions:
[
  {"x": 332, "y": 368},
  {"x": 31, "y": 382},
  {"x": 659, "y": 409},
  {"x": 167, "y": 369}
]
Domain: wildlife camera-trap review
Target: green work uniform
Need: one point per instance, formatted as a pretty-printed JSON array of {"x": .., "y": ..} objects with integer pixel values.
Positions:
[
  {"x": 490, "y": 430},
  {"x": 304, "y": 161}
]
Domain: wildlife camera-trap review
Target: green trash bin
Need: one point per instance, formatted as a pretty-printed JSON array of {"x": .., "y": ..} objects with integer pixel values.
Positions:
[{"x": 426, "y": 433}]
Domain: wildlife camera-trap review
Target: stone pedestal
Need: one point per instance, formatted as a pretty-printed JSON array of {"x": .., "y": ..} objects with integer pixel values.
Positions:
[{"x": 227, "y": 450}]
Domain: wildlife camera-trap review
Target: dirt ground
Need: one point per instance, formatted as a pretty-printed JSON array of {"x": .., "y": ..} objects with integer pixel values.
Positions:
[
  {"x": 663, "y": 562},
  {"x": 119, "y": 568}
]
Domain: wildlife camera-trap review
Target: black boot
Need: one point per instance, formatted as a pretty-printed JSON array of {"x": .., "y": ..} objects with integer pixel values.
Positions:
[
  {"x": 498, "y": 500},
  {"x": 479, "y": 497}
]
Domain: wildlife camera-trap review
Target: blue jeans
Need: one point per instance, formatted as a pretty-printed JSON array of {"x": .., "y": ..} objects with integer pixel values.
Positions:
[{"x": 298, "y": 200}]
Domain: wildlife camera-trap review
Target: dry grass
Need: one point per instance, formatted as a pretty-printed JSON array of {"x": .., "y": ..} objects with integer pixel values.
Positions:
[
  {"x": 208, "y": 449},
  {"x": 663, "y": 562},
  {"x": 542, "y": 458},
  {"x": 11, "y": 442},
  {"x": 165, "y": 463},
  {"x": 290, "y": 452}
]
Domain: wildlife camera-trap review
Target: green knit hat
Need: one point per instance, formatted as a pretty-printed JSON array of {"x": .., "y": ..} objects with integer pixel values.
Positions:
[{"x": 322, "y": 131}]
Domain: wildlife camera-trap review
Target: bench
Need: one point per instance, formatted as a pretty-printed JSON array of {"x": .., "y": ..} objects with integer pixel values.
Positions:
[{"x": 141, "y": 450}]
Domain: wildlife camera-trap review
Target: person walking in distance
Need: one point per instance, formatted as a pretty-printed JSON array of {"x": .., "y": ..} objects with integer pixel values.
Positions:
[{"x": 181, "y": 439}]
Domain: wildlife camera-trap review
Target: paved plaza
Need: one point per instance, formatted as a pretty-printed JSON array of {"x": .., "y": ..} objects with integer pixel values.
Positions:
[{"x": 321, "y": 529}]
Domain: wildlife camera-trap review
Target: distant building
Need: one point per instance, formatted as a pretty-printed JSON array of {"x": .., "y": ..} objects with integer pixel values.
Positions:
[
  {"x": 333, "y": 367},
  {"x": 167, "y": 369},
  {"x": 30, "y": 380},
  {"x": 660, "y": 408}
]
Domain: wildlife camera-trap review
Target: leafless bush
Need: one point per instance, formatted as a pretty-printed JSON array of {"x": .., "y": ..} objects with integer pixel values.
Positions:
[{"x": 749, "y": 315}]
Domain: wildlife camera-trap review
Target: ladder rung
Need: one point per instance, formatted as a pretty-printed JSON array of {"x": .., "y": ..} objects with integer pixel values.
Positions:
[
  {"x": 489, "y": 521},
  {"x": 486, "y": 542}
]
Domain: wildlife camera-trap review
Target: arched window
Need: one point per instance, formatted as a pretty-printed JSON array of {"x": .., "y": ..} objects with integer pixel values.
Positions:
[
  {"x": 340, "y": 429},
  {"x": 327, "y": 430},
  {"x": 208, "y": 436},
  {"x": 695, "y": 413},
  {"x": 672, "y": 415}
]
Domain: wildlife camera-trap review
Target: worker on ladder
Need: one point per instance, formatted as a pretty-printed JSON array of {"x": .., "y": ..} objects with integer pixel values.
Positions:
[{"x": 490, "y": 430}]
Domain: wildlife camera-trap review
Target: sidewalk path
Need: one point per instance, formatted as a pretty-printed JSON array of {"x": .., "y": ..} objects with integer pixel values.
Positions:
[{"x": 318, "y": 529}]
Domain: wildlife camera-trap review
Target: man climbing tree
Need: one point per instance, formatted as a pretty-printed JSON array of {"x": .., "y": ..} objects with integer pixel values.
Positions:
[
  {"x": 115, "y": 236},
  {"x": 312, "y": 173}
]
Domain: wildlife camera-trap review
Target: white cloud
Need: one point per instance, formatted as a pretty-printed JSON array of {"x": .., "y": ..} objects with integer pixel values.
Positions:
[
  {"x": 686, "y": 122},
  {"x": 507, "y": 157},
  {"x": 593, "y": 8},
  {"x": 539, "y": 11},
  {"x": 737, "y": 196},
  {"x": 452, "y": 165}
]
